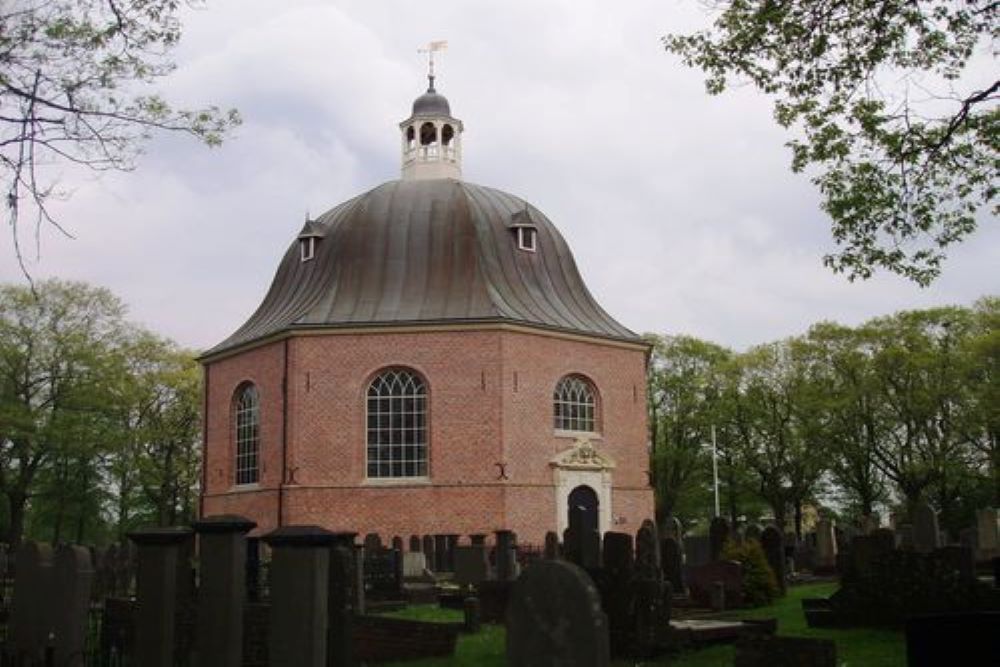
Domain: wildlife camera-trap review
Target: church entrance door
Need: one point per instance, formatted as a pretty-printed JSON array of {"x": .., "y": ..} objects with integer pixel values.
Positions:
[{"x": 583, "y": 508}]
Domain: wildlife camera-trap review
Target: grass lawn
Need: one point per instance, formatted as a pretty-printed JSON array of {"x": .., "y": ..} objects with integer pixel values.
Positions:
[{"x": 855, "y": 648}]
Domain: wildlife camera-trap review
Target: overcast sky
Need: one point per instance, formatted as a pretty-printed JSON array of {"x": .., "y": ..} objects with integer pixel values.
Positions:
[{"x": 679, "y": 207}]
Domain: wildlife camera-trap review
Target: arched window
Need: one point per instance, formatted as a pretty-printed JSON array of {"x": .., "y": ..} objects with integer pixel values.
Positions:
[
  {"x": 428, "y": 134},
  {"x": 397, "y": 425},
  {"x": 575, "y": 405},
  {"x": 247, "y": 418}
]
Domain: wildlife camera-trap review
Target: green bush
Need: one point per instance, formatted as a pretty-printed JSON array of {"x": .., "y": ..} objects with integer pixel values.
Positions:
[{"x": 760, "y": 587}]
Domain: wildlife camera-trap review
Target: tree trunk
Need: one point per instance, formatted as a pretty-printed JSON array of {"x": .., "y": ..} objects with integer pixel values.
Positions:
[
  {"x": 798, "y": 521},
  {"x": 16, "y": 505}
]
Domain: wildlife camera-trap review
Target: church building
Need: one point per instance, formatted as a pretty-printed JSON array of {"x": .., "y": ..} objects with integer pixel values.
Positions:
[{"x": 428, "y": 360}]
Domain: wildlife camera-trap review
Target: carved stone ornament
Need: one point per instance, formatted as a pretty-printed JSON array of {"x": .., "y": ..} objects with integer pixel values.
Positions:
[{"x": 583, "y": 456}]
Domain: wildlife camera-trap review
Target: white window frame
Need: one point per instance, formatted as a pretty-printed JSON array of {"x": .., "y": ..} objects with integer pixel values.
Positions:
[
  {"x": 246, "y": 423},
  {"x": 307, "y": 248},
  {"x": 396, "y": 428},
  {"x": 527, "y": 239},
  {"x": 570, "y": 412}
]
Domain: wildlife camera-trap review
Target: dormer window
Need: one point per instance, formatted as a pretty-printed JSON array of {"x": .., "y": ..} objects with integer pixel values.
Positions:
[
  {"x": 307, "y": 248},
  {"x": 526, "y": 238},
  {"x": 523, "y": 226},
  {"x": 311, "y": 233}
]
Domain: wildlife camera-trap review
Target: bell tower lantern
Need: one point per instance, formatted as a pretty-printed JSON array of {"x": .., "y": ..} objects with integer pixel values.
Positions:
[{"x": 431, "y": 137}]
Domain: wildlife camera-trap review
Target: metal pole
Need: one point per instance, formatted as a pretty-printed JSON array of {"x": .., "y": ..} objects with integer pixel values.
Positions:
[{"x": 715, "y": 471}]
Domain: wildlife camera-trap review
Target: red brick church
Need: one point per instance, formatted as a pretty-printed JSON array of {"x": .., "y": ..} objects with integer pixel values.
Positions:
[{"x": 428, "y": 360}]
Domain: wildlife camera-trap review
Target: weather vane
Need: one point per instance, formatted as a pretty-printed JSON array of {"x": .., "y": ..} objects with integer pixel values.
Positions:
[{"x": 440, "y": 45}]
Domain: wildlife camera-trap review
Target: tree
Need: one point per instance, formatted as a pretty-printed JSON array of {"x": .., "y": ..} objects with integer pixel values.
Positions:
[
  {"x": 69, "y": 72},
  {"x": 902, "y": 135},
  {"x": 778, "y": 440},
  {"x": 55, "y": 342},
  {"x": 684, "y": 392}
]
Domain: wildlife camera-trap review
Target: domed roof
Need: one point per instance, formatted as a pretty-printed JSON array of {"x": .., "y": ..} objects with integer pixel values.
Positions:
[
  {"x": 431, "y": 103},
  {"x": 429, "y": 251}
]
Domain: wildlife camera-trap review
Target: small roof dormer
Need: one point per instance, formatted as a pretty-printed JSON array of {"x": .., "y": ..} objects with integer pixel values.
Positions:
[
  {"x": 431, "y": 136},
  {"x": 310, "y": 235}
]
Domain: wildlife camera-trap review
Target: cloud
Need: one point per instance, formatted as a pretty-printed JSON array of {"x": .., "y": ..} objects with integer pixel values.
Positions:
[{"x": 679, "y": 206}]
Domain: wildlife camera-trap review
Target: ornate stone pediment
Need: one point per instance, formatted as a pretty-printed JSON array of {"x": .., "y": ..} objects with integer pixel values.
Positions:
[{"x": 582, "y": 456}]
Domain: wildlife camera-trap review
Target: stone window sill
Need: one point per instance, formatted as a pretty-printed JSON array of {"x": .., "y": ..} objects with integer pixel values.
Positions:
[{"x": 396, "y": 481}]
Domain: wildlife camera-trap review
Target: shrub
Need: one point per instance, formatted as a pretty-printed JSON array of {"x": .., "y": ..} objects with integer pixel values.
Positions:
[{"x": 760, "y": 587}]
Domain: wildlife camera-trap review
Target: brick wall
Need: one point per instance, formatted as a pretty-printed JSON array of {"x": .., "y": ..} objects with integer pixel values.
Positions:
[{"x": 490, "y": 401}]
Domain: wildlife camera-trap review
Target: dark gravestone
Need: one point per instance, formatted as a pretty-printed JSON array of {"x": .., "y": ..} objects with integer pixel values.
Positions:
[
  {"x": 673, "y": 563},
  {"x": 754, "y": 650},
  {"x": 951, "y": 639},
  {"x": 29, "y": 620},
  {"x": 397, "y": 543},
  {"x": 506, "y": 555},
  {"x": 414, "y": 544},
  {"x": 697, "y": 550},
  {"x": 554, "y": 619},
  {"x": 551, "y": 545},
  {"x": 73, "y": 575},
  {"x": 718, "y": 533},
  {"x": 702, "y": 578},
  {"x": 253, "y": 582},
  {"x": 617, "y": 595},
  {"x": 650, "y": 596},
  {"x": 383, "y": 574},
  {"x": 477, "y": 540},
  {"x": 573, "y": 545},
  {"x": 372, "y": 542},
  {"x": 441, "y": 553},
  {"x": 774, "y": 551},
  {"x": 471, "y": 565},
  {"x": 429, "y": 551},
  {"x": 450, "y": 544},
  {"x": 926, "y": 533},
  {"x": 472, "y": 615}
]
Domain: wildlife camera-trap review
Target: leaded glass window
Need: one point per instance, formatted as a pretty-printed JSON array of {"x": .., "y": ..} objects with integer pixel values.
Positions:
[
  {"x": 247, "y": 435},
  {"x": 397, "y": 425},
  {"x": 575, "y": 407}
]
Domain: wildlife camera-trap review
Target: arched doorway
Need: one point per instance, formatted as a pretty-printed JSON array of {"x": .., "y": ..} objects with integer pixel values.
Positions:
[{"x": 583, "y": 508}]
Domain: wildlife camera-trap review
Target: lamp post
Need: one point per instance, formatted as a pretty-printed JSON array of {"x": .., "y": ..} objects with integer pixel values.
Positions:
[{"x": 715, "y": 471}]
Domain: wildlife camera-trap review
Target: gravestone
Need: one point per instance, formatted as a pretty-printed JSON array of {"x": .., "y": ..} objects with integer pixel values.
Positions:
[
  {"x": 471, "y": 565},
  {"x": 868, "y": 523},
  {"x": 372, "y": 542},
  {"x": 755, "y": 650},
  {"x": 926, "y": 534},
  {"x": 650, "y": 595},
  {"x": 428, "y": 551},
  {"x": 477, "y": 539},
  {"x": 415, "y": 545},
  {"x": 506, "y": 560},
  {"x": 31, "y": 611},
  {"x": 614, "y": 582},
  {"x": 988, "y": 533},
  {"x": 933, "y": 640},
  {"x": 582, "y": 546},
  {"x": 826, "y": 545},
  {"x": 673, "y": 528},
  {"x": 718, "y": 533},
  {"x": 397, "y": 543},
  {"x": 414, "y": 565},
  {"x": 904, "y": 536},
  {"x": 697, "y": 550},
  {"x": 441, "y": 553},
  {"x": 701, "y": 579},
  {"x": 672, "y": 563},
  {"x": 551, "y": 545},
  {"x": 774, "y": 551},
  {"x": 554, "y": 619},
  {"x": 342, "y": 601}
]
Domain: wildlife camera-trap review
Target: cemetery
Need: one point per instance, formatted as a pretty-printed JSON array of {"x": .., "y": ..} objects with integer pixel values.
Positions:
[{"x": 207, "y": 594}]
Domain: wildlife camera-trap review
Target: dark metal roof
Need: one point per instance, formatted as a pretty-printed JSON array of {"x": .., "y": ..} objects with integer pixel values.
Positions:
[
  {"x": 431, "y": 103},
  {"x": 429, "y": 251}
]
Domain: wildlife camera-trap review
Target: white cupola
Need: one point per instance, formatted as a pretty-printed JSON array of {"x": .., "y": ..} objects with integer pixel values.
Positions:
[{"x": 431, "y": 137}]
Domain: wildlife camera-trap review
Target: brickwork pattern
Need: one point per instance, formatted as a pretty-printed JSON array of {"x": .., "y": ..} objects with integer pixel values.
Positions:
[{"x": 490, "y": 402}]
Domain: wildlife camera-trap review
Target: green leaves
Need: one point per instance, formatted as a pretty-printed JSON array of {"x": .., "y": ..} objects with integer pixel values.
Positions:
[{"x": 900, "y": 134}]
